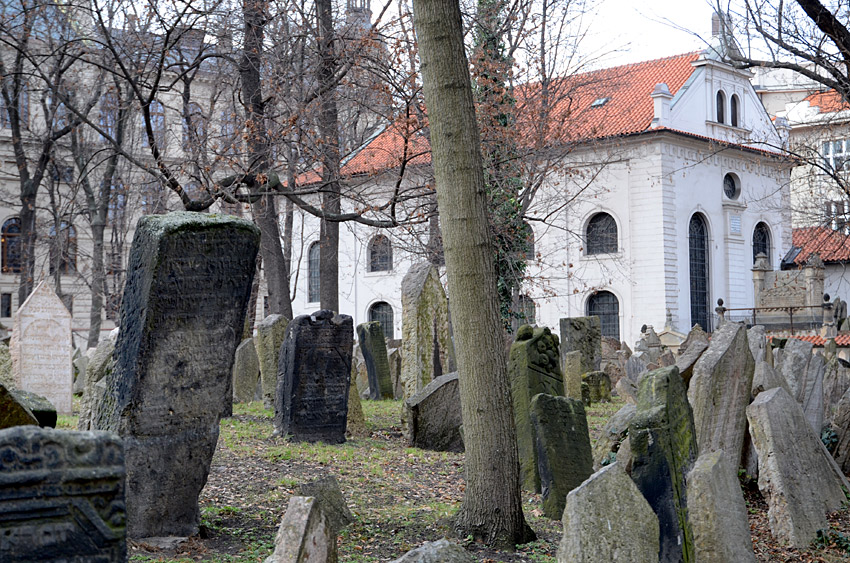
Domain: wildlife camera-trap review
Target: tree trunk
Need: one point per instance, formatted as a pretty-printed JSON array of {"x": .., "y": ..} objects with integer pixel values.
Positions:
[
  {"x": 98, "y": 282},
  {"x": 329, "y": 132},
  {"x": 492, "y": 505},
  {"x": 28, "y": 236}
]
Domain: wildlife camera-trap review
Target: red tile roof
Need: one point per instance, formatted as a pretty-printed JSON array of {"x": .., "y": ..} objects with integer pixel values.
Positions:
[
  {"x": 842, "y": 339},
  {"x": 828, "y": 101},
  {"x": 832, "y": 246}
]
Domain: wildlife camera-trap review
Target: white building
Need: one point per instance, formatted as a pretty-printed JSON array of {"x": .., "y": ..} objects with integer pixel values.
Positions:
[{"x": 672, "y": 184}]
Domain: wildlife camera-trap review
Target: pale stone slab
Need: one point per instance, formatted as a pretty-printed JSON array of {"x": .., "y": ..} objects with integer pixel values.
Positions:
[
  {"x": 583, "y": 334},
  {"x": 795, "y": 476},
  {"x": 41, "y": 348},
  {"x": 571, "y": 362},
  {"x": 766, "y": 378},
  {"x": 440, "y": 551},
  {"x": 812, "y": 393},
  {"x": 271, "y": 332},
  {"x": 719, "y": 392},
  {"x": 607, "y": 519},
  {"x": 717, "y": 512},
  {"x": 690, "y": 351},
  {"x": 100, "y": 365},
  {"x": 792, "y": 362},
  {"x": 304, "y": 535},
  {"x": 759, "y": 347},
  {"x": 836, "y": 382},
  {"x": 246, "y": 372}
]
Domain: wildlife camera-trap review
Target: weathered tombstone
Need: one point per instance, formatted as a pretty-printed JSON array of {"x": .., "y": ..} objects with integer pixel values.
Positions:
[
  {"x": 583, "y": 334},
  {"x": 717, "y": 512},
  {"x": 355, "y": 423},
  {"x": 314, "y": 378},
  {"x": 246, "y": 372},
  {"x": 759, "y": 347},
  {"x": 6, "y": 377},
  {"x": 627, "y": 389},
  {"x": 532, "y": 369},
  {"x": 766, "y": 378},
  {"x": 440, "y": 551},
  {"x": 599, "y": 386},
  {"x": 811, "y": 393},
  {"x": 426, "y": 343},
  {"x": 434, "y": 417},
  {"x": 795, "y": 475},
  {"x": 607, "y": 519},
  {"x": 41, "y": 348},
  {"x": 41, "y": 408},
  {"x": 791, "y": 362},
  {"x": 841, "y": 426},
  {"x": 562, "y": 445},
  {"x": 613, "y": 433},
  {"x": 571, "y": 365},
  {"x": 719, "y": 392},
  {"x": 359, "y": 372},
  {"x": 61, "y": 496},
  {"x": 188, "y": 285},
  {"x": 690, "y": 351},
  {"x": 836, "y": 382},
  {"x": 374, "y": 349},
  {"x": 100, "y": 365},
  {"x": 394, "y": 358},
  {"x": 12, "y": 411},
  {"x": 636, "y": 368},
  {"x": 304, "y": 535},
  {"x": 80, "y": 363},
  {"x": 270, "y": 334},
  {"x": 663, "y": 449},
  {"x": 327, "y": 493}
]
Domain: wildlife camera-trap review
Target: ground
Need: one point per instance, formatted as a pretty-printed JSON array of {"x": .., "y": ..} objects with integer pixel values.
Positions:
[{"x": 400, "y": 496}]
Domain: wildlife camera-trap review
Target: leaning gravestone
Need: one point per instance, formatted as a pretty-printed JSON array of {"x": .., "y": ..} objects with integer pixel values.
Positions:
[
  {"x": 562, "y": 443},
  {"x": 615, "y": 431},
  {"x": 41, "y": 348},
  {"x": 270, "y": 334},
  {"x": 690, "y": 351},
  {"x": 246, "y": 372},
  {"x": 719, "y": 392},
  {"x": 426, "y": 346},
  {"x": 791, "y": 362},
  {"x": 607, "y": 519},
  {"x": 374, "y": 349},
  {"x": 434, "y": 417},
  {"x": 313, "y": 380},
  {"x": 188, "y": 285},
  {"x": 532, "y": 369},
  {"x": 811, "y": 396},
  {"x": 328, "y": 495},
  {"x": 41, "y": 408},
  {"x": 304, "y": 535},
  {"x": 100, "y": 365},
  {"x": 796, "y": 476},
  {"x": 61, "y": 496},
  {"x": 583, "y": 334},
  {"x": 663, "y": 448},
  {"x": 12, "y": 411}
]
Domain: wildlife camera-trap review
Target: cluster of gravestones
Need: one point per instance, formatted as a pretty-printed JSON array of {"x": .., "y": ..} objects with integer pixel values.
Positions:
[{"x": 666, "y": 482}]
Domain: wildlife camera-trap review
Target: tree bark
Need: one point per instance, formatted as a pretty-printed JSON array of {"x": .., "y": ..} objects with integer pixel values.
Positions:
[{"x": 492, "y": 505}]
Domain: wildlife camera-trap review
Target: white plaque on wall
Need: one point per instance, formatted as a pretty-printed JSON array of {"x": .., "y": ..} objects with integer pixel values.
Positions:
[{"x": 735, "y": 224}]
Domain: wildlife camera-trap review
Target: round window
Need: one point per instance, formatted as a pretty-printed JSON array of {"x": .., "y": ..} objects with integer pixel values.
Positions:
[{"x": 730, "y": 186}]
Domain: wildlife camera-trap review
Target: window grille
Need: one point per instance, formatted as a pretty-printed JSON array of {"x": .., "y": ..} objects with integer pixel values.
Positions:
[
  {"x": 601, "y": 237},
  {"x": 313, "y": 273},
  {"x": 382, "y": 312},
  {"x": 698, "y": 261},
  {"x": 606, "y": 306},
  {"x": 11, "y": 246},
  {"x": 761, "y": 241},
  {"x": 380, "y": 254}
]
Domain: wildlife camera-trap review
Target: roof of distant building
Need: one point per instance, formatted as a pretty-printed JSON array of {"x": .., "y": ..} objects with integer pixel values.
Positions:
[
  {"x": 832, "y": 245},
  {"x": 842, "y": 339},
  {"x": 828, "y": 102}
]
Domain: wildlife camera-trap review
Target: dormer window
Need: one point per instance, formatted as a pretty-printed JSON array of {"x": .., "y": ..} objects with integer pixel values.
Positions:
[
  {"x": 721, "y": 106},
  {"x": 734, "y": 110},
  {"x": 599, "y": 102}
]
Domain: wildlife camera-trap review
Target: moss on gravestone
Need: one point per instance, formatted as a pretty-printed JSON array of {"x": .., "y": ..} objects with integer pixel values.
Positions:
[{"x": 12, "y": 411}]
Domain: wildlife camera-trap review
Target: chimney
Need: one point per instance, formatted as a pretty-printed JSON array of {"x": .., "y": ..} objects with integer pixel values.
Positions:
[{"x": 661, "y": 97}]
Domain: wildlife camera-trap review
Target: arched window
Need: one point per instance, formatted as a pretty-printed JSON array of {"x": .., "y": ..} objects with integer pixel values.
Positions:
[
  {"x": 383, "y": 313},
  {"x": 721, "y": 106},
  {"x": 157, "y": 113},
  {"x": 698, "y": 262},
  {"x": 194, "y": 128},
  {"x": 313, "y": 273},
  {"x": 761, "y": 241},
  {"x": 63, "y": 248},
  {"x": 11, "y": 246},
  {"x": 601, "y": 236},
  {"x": 606, "y": 306},
  {"x": 529, "y": 241},
  {"x": 733, "y": 110},
  {"x": 380, "y": 254}
]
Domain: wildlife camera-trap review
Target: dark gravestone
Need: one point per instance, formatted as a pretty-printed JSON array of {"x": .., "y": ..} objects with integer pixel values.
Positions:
[
  {"x": 313, "y": 378},
  {"x": 41, "y": 408},
  {"x": 582, "y": 334},
  {"x": 598, "y": 386},
  {"x": 12, "y": 411},
  {"x": 664, "y": 448},
  {"x": 533, "y": 368},
  {"x": 564, "y": 459},
  {"x": 434, "y": 417},
  {"x": 61, "y": 496},
  {"x": 188, "y": 284},
  {"x": 374, "y": 349}
]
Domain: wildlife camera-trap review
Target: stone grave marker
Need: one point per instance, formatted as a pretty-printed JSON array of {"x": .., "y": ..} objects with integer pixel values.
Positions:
[
  {"x": 599, "y": 386},
  {"x": 394, "y": 358},
  {"x": 246, "y": 372},
  {"x": 12, "y": 411},
  {"x": 532, "y": 369},
  {"x": 719, "y": 392},
  {"x": 562, "y": 443},
  {"x": 613, "y": 434},
  {"x": 41, "y": 348},
  {"x": 355, "y": 424},
  {"x": 434, "y": 416},
  {"x": 61, "y": 496},
  {"x": 759, "y": 346},
  {"x": 836, "y": 382},
  {"x": 583, "y": 334},
  {"x": 663, "y": 448},
  {"x": 101, "y": 364},
  {"x": 374, "y": 349},
  {"x": 440, "y": 551},
  {"x": 304, "y": 535},
  {"x": 270, "y": 334},
  {"x": 690, "y": 351},
  {"x": 188, "y": 286},
  {"x": 313, "y": 380},
  {"x": 327, "y": 493},
  {"x": 572, "y": 374}
]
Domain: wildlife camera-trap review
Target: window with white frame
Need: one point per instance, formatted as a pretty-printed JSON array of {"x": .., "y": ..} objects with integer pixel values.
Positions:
[{"x": 835, "y": 153}]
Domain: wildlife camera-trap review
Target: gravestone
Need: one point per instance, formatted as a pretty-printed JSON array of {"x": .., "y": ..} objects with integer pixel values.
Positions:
[
  {"x": 841, "y": 426},
  {"x": 791, "y": 362},
  {"x": 717, "y": 512},
  {"x": 434, "y": 417},
  {"x": 440, "y": 551},
  {"x": 426, "y": 350},
  {"x": 811, "y": 393},
  {"x": 188, "y": 284},
  {"x": 313, "y": 380},
  {"x": 690, "y": 351},
  {"x": 12, "y": 411},
  {"x": 796, "y": 474},
  {"x": 582, "y": 334},
  {"x": 270, "y": 334},
  {"x": 607, "y": 519},
  {"x": 765, "y": 378},
  {"x": 759, "y": 346},
  {"x": 571, "y": 365},
  {"x": 246, "y": 372},
  {"x": 80, "y": 362},
  {"x": 374, "y": 349},
  {"x": 100, "y": 365},
  {"x": 394, "y": 358},
  {"x": 562, "y": 445},
  {"x": 355, "y": 423},
  {"x": 663, "y": 449},
  {"x": 327, "y": 493},
  {"x": 41, "y": 348},
  {"x": 61, "y": 496},
  {"x": 532, "y": 369},
  {"x": 615, "y": 431},
  {"x": 304, "y": 535},
  {"x": 599, "y": 386},
  {"x": 836, "y": 382},
  {"x": 719, "y": 392},
  {"x": 43, "y": 411},
  {"x": 6, "y": 377}
]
